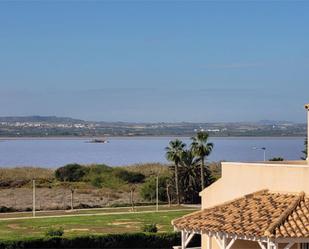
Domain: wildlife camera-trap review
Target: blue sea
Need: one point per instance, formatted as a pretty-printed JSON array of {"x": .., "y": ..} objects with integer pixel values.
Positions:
[{"x": 124, "y": 151}]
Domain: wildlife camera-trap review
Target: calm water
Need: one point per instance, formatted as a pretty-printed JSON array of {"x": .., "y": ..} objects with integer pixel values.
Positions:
[{"x": 123, "y": 151}]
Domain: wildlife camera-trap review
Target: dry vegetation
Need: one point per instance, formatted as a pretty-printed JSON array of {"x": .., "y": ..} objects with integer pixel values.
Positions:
[
  {"x": 148, "y": 169},
  {"x": 20, "y": 177},
  {"x": 26, "y": 173},
  {"x": 59, "y": 198},
  {"x": 16, "y": 189}
]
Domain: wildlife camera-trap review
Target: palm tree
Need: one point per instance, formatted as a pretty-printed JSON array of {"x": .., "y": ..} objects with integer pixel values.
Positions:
[
  {"x": 201, "y": 149},
  {"x": 188, "y": 175},
  {"x": 173, "y": 154}
]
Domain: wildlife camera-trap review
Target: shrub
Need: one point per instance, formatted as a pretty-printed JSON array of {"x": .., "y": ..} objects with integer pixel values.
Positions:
[
  {"x": 99, "y": 169},
  {"x": 54, "y": 232},
  {"x": 85, "y": 205},
  {"x": 97, "y": 182},
  {"x": 130, "y": 177},
  {"x": 276, "y": 159},
  {"x": 148, "y": 190},
  {"x": 150, "y": 228},
  {"x": 17, "y": 183},
  {"x": 71, "y": 172},
  {"x": 4, "y": 209},
  {"x": 133, "y": 240},
  {"x": 103, "y": 176},
  {"x": 148, "y": 169}
]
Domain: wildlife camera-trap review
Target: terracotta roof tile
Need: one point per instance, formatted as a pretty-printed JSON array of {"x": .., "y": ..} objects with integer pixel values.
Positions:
[{"x": 261, "y": 214}]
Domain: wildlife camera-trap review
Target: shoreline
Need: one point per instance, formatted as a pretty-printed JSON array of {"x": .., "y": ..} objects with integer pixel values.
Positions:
[{"x": 148, "y": 137}]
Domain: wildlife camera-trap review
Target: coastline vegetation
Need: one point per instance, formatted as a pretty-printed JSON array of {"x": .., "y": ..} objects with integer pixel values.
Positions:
[{"x": 94, "y": 186}]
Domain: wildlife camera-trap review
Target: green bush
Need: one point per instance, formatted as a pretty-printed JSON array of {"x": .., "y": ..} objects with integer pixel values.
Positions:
[
  {"x": 150, "y": 228},
  {"x": 97, "y": 169},
  {"x": 97, "y": 182},
  {"x": 54, "y": 231},
  {"x": 133, "y": 240},
  {"x": 276, "y": 159},
  {"x": 71, "y": 172},
  {"x": 4, "y": 209},
  {"x": 130, "y": 177},
  {"x": 148, "y": 190},
  {"x": 100, "y": 175}
]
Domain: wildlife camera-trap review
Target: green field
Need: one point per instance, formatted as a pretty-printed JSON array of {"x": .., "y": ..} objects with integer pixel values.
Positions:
[
  {"x": 82, "y": 225},
  {"x": 91, "y": 211}
]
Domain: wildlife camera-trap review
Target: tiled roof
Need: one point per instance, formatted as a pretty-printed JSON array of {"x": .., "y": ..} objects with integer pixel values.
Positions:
[{"x": 260, "y": 214}]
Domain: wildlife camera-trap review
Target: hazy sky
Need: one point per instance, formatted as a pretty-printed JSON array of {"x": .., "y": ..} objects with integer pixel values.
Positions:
[{"x": 155, "y": 61}]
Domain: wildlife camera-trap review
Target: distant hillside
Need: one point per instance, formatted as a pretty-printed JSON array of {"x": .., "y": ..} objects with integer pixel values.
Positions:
[
  {"x": 42, "y": 119},
  {"x": 274, "y": 122},
  {"x": 51, "y": 126}
]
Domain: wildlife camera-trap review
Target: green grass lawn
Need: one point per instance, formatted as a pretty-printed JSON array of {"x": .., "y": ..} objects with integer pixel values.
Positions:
[
  {"x": 92, "y": 211},
  {"x": 82, "y": 225}
]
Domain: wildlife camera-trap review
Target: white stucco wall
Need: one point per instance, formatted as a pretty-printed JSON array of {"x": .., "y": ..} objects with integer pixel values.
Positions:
[{"x": 239, "y": 179}]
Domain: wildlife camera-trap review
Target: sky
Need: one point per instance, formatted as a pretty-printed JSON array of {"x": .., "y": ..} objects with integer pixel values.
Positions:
[{"x": 155, "y": 61}]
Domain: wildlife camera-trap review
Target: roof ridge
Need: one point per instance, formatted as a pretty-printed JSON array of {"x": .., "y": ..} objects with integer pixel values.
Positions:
[
  {"x": 282, "y": 218},
  {"x": 262, "y": 191}
]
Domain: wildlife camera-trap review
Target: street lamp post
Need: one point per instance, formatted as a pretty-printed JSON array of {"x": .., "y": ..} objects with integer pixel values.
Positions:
[
  {"x": 33, "y": 198},
  {"x": 263, "y": 149},
  {"x": 157, "y": 193}
]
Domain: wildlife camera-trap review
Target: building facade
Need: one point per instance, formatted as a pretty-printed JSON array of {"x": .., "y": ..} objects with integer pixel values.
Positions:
[{"x": 253, "y": 205}]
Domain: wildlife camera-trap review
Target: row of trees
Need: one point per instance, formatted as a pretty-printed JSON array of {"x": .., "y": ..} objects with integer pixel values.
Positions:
[{"x": 187, "y": 159}]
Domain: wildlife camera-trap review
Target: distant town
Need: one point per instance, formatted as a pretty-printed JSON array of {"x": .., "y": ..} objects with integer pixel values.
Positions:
[{"x": 51, "y": 126}]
